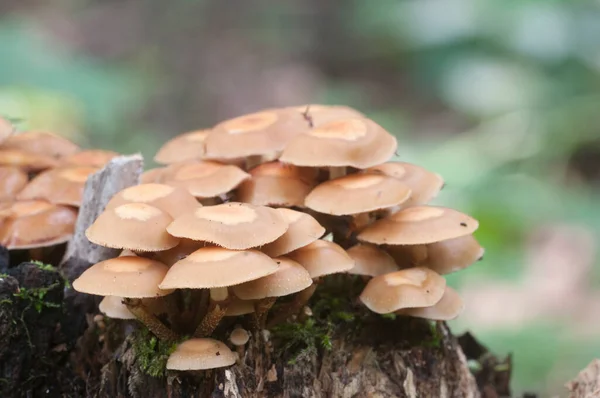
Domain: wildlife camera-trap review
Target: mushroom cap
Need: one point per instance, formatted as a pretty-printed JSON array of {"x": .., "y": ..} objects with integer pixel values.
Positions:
[
  {"x": 408, "y": 288},
  {"x": 303, "y": 229},
  {"x": 12, "y": 181},
  {"x": 91, "y": 158},
  {"x": 370, "y": 260},
  {"x": 407, "y": 256},
  {"x": 212, "y": 267},
  {"x": 127, "y": 276},
  {"x": 40, "y": 143},
  {"x": 260, "y": 133},
  {"x": 277, "y": 184},
  {"x": 239, "y": 336},
  {"x": 6, "y": 129},
  {"x": 152, "y": 175},
  {"x": 419, "y": 225},
  {"x": 424, "y": 184},
  {"x": 187, "y": 146},
  {"x": 204, "y": 179},
  {"x": 322, "y": 114},
  {"x": 453, "y": 255},
  {"x": 179, "y": 252},
  {"x": 290, "y": 277},
  {"x": 133, "y": 226},
  {"x": 172, "y": 200},
  {"x": 238, "y": 307},
  {"x": 63, "y": 186},
  {"x": 26, "y": 161},
  {"x": 357, "y": 193},
  {"x": 113, "y": 307},
  {"x": 321, "y": 258},
  {"x": 35, "y": 223},
  {"x": 449, "y": 307},
  {"x": 356, "y": 142},
  {"x": 231, "y": 225},
  {"x": 200, "y": 354}
]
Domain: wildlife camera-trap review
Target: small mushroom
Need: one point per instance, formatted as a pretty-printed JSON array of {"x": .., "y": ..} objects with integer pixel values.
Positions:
[
  {"x": 200, "y": 354},
  {"x": 303, "y": 229},
  {"x": 152, "y": 175},
  {"x": 29, "y": 162},
  {"x": 449, "y": 307},
  {"x": 322, "y": 258},
  {"x": 41, "y": 143},
  {"x": 12, "y": 181},
  {"x": 453, "y": 255},
  {"x": 369, "y": 261},
  {"x": 89, "y": 158},
  {"x": 238, "y": 307},
  {"x": 113, "y": 307},
  {"x": 187, "y": 146},
  {"x": 239, "y": 337},
  {"x": 317, "y": 115}
]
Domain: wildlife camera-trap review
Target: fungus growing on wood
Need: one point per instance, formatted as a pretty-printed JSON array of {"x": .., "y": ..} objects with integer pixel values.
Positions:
[
  {"x": 316, "y": 115},
  {"x": 113, "y": 307},
  {"x": 90, "y": 158},
  {"x": 200, "y": 354},
  {"x": 41, "y": 143},
  {"x": 12, "y": 181},
  {"x": 29, "y": 162},
  {"x": 369, "y": 260},
  {"x": 187, "y": 146},
  {"x": 447, "y": 308},
  {"x": 302, "y": 230}
]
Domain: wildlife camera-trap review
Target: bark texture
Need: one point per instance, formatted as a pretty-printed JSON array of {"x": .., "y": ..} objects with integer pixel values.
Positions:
[{"x": 587, "y": 382}]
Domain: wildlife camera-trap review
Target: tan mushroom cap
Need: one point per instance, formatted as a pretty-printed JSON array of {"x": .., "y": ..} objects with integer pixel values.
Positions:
[
  {"x": 12, "y": 181},
  {"x": 179, "y": 252},
  {"x": 113, "y": 307},
  {"x": 231, "y": 225},
  {"x": 41, "y": 143},
  {"x": 321, "y": 258},
  {"x": 357, "y": 193},
  {"x": 322, "y": 114},
  {"x": 91, "y": 158},
  {"x": 133, "y": 226},
  {"x": 212, "y": 267},
  {"x": 36, "y": 223},
  {"x": 277, "y": 184},
  {"x": 201, "y": 354},
  {"x": 204, "y": 179},
  {"x": 453, "y": 254},
  {"x": 407, "y": 256},
  {"x": 132, "y": 277},
  {"x": 370, "y": 260},
  {"x": 303, "y": 229},
  {"x": 239, "y": 307},
  {"x": 62, "y": 186},
  {"x": 172, "y": 200},
  {"x": 408, "y": 288},
  {"x": 449, "y": 307},
  {"x": 419, "y": 225},
  {"x": 260, "y": 133},
  {"x": 6, "y": 129},
  {"x": 289, "y": 278},
  {"x": 26, "y": 161},
  {"x": 424, "y": 184},
  {"x": 187, "y": 146},
  {"x": 356, "y": 142},
  {"x": 239, "y": 337},
  {"x": 152, "y": 175}
]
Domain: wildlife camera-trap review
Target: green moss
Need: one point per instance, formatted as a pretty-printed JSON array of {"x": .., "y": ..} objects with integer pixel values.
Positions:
[
  {"x": 303, "y": 339},
  {"x": 43, "y": 266},
  {"x": 36, "y": 296},
  {"x": 435, "y": 338},
  {"x": 151, "y": 354}
]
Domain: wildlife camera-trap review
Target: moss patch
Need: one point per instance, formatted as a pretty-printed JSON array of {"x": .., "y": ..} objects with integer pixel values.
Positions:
[{"x": 151, "y": 353}]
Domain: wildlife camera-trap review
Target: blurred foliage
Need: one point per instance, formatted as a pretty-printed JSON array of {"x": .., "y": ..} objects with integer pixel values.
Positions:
[{"x": 499, "y": 96}]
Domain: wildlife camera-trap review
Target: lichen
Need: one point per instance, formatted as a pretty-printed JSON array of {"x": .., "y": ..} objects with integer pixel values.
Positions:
[{"x": 151, "y": 353}]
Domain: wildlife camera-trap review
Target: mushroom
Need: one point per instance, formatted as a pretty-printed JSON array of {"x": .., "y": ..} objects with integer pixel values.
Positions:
[
  {"x": 216, "y": 268},
  {"x": 12, "y": 181},
  {"x": 354, "y": 142},
  {"x": 317, "y": 115},
  {"x": 238, "y": 307},
  {"x": 447, "y": 308},
  {"x": 63, "y": 186},
  {"x": 419, "y": 225},
  {"x": 90, "y": 158},
  {"x": 453, "y": 255},
  {"x": 135, "y": 226},
  {"x": 29, "y": 162},
  {"x": 239, "y": 337},
  {"x": 206, "y": 180},
  {"x": 408, "y": 288},
  {"x": 113, "y": 307},
  {"x": 369, "y": 261},
  {"x": 200, "y": 354},
  {"x": 40, "y": 143},
  {"x": 187, "y": 146},
  {"x": 132, "y": 278},
  {"x": 152, "y": 175},
  {"x": 172, "y": 200},
  {"x": 6, "y": 129},
  {"x": 288, "y": 279},
  {"x": 179, "y": 252},
  {"x": 231, "y": 225},
  {"x": 303, "y": 229},
  {"x": 277, "y": 184}
]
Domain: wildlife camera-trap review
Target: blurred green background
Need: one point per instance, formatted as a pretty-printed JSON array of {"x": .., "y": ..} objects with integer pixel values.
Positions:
[{"x": 502, "y": 97}]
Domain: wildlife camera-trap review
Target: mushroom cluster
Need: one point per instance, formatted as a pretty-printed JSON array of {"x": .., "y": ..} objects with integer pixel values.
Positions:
[
  {"x": 266, "y": 205},
  {"x": 42, "y": 177}
]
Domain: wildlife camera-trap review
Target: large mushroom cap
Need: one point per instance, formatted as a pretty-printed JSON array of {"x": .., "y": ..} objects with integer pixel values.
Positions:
[
  {"x": 12, "y": 181},
  {"x": 90, "y": 158},
  {"x": 412, "y": 287},
  {"x": 449, "y": 307},
  {"x": 289, "y": 278},
  {"x": 303, "y": 229},
  {"x": 132, "y": 277},
  {"x": 356, "y": 142},
  {"x": 35, "y": 223},
  {"x": 113, "y": 307},
  {"x": 419, "y": 225},
  {"x": 322, "y": 258},
  {"x": 453, "y": 254},
  {"x": 277, "y": 184},
  {"x": 40, "y": 143},
  {"x": 212, "y": 267},
  {"x": 200, "y": 354},
  {"x": 369, "y": 260},
  {"x": 172, "y": 200},
  {"x": 133, "y": 226},
  {"x": 187, "y": 146},
  {"x": 357, "y": 193},
  {"x": 232, "y": 225},
  {"x": 26, "y": 161},
  {"x": 204, "y": 179},
  {"x": 424, "y": 184},
  {"x": 60, "y": 185},
  {"x": 318, "y": 115}
]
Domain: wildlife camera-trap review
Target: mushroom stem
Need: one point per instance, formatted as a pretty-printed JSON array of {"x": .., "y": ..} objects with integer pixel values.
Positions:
[
  {"x": 150, "y": 321},
  {"x": 252, "y": 161},
  {"x": 219, "y": 301},
  {"x": 293, "y": 308},
  {"x": 360, "y": 221},
  {"x": 36, "y": 254},
  {"x": 261, "y": 310},
  {"x": 336, "y": 172}
]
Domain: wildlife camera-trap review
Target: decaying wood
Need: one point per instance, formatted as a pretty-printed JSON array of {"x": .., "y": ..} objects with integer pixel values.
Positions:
[{"x": 587, "y": 382}]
